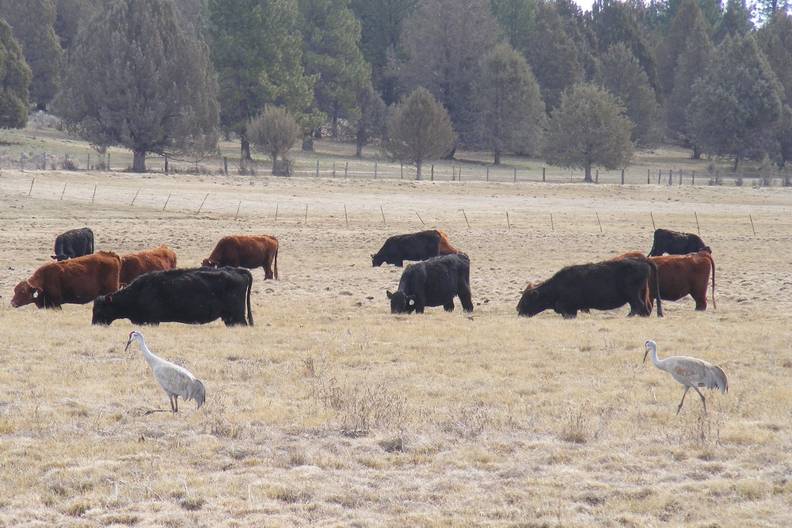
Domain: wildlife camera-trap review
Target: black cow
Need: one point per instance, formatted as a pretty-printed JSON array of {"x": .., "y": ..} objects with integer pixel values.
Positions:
[
  {"x": 74, "y": 243},
  {"x": 602, "y": 286},
  {"x": 415, "y": 246},
  {"x": 675, "y": 243},
  {"x": 433, "y": 282},
  {"x": 192, "y": 296}
]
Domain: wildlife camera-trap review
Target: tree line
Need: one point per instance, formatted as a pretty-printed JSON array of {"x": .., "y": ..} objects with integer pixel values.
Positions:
[{"x": 422, "y": 77}]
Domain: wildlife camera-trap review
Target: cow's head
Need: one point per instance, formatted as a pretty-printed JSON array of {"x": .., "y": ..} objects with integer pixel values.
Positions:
[
  {"x": 25, "y": 293},
  {"x": 104, "y": 310},
  {"x": 377, "y": 260},
  {"x": 531, "y": 302},
  {"x": 209, "y": 263},
  {"x": 400, "y": 302}
]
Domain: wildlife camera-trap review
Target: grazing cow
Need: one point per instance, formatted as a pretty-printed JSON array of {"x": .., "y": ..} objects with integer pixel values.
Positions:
[
  {"x": 433, "y": 282},
  {"x": 136, "y": 264},
  {"x": 74, "y": 243},
  {"x": 682, "y": 275},
  {"x": 675, "y": 243},
  {"x": 74, "y": 281},
  {"x": 246, "y": 252},
  {"x": 602, "y": 286},
  {"x": 193, "y": 296},
  {"x": 414, "y": 246}
]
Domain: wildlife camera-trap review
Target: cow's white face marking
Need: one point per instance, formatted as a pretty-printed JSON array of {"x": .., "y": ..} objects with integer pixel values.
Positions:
[{"x": 35, "y": 294}]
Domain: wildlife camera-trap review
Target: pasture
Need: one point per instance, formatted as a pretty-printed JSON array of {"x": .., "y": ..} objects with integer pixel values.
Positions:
[{"x": 331, "y": 411}]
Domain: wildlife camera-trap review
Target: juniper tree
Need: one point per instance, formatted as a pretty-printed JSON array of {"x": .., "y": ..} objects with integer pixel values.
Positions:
[
  {"x": 136, "y": 79},
  {"x": 14, "y": 81},
  {"x": 275, "y": 132}
]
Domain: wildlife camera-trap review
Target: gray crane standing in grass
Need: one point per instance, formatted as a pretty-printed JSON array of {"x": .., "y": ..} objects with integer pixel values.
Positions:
[
  {"x": 690, "y": 372},
  {"x": 175, "y": 380}
]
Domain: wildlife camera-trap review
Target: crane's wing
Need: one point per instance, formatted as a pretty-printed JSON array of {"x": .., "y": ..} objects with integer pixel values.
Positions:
[
  {"x": 174, "y": 380},
  {"x": 716, "y": 379},
  {"x": 197, "y": 392}
]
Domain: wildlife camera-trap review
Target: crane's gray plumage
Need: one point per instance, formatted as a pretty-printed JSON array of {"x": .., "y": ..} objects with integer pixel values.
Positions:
[
  {"x": 175, "y": 380},
  {"x": 690, "y": 372}
]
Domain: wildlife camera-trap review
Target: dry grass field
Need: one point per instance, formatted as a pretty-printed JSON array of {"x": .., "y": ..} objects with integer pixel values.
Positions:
[{"x": 330, "y": 411}]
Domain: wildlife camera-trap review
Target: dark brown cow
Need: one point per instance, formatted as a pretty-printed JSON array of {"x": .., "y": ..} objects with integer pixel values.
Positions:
[
  {"x": 75, "y": 281},
  {"x": 135, "y": 264},
  {"x": 682, "y": 275},
  {"x": 246, "y": 252}
]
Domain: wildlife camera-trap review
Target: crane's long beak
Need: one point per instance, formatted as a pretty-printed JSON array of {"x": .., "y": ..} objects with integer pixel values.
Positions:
[
  {"x": 645, "y": 354},
  {"x": 127, "y": 345}
]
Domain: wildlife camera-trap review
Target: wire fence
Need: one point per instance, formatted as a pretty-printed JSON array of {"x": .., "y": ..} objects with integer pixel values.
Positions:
[{"x": 373, "y": 169}]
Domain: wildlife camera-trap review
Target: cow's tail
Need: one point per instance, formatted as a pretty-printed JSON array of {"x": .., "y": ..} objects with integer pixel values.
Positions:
[
  {"x": 712, "y": 263},
  {"x": 654, "y": 277},
  {"x": 275, "y": 267},
  {"x": 249, "y": 308}
]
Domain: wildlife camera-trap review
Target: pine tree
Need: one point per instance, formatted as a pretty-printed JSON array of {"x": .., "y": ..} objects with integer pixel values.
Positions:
[
  {"x": 552, "y": 55},
  {"x": 32, "y": 23},
  {"x": 621, "y": 74},
  {"x": 137, "y": 80},
  {"x": 419, "y": 129},
  {"x": 691, "y": 65},
  {"x": 256, "y": 49},
  {"x": 513, "y": 113},
  {"x": 370, "y": 123},
  {"x": 577, "y": 27},
  {"x": 736, "y": 103},
  {"x": 516, "y": 19},
  {"x": 588, "y": 128},
  {"x": 445, "y": 41},
  {"x": 70, "y": 15},
  {"x": 382, "y": 23},
  {"x": 332, "y": 52},
  {"x": 736, "y": 20},
  {"x": 775, "y": 40},
  {"x": 615, "y": 22},
  {"x": 688, "y": 23},
  {"x": 14, "y": 81}
]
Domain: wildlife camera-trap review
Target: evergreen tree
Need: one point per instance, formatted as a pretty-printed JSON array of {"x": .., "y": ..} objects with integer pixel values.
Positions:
[
  {"x": 70, "y": 15},
  {"x": 687, "y": 24},
  {"x": 445, "y": 42},
  {"x": 775, "y": 39},
  {"x": 691, "y": 65},
  {"x": 621, "y": 74},
  {"x": 257, "y": 53},
  {"x": 736, "y": 103},
  {"x": 382, "y": 24},
  {"x": 513, "y": 113},
  {"x": 615, "y": 22},
  {"x": 32, "y": 23},
  {"x": 736, "y": 20},
  {"x": 516, "y": 19},
  {"x": 419, "y": 130},
  {"x": 552, "y": 55},
  {"x": 14, "y": 81},
  {"x": 332, "y": 53},
  {"x": 588, "y": 128},
  {"x": 577, "y": 27},
  {"x": 372, "y": 113},
  {"x": 137, "y": 80},
  {"x": 767, "y": 9}
]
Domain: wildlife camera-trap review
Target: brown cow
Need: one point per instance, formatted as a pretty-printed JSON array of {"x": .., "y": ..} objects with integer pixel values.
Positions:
[
  {"x": 75, "y": 281},
  {"x": 158, "y": 259},
  {"x": 682, "y": 275},
  {"x": 246, "y": 252}
]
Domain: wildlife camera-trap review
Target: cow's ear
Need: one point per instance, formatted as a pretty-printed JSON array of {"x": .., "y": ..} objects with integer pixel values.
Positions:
[
  {"x": 389, "y": 294},
  {"x": 109, "y": 298}
]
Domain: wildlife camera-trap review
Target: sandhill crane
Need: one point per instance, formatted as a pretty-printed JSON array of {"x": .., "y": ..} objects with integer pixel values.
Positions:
[
  {"x": 175, "y": 380},
  {"x": 690, "y": 372}
]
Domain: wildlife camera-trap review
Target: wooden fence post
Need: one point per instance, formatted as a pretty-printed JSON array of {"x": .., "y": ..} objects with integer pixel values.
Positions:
[
  {"x": 670, "y": 177},
  {"x": 653, "y": 222},
  {"x": 88, "y": 162},
  {"x": 459, "y": 175},
  {"x": 515, "y": 174},
  {"x": 680, "y": 177},
  {"x": 375, "y": 169},
  {"x": 598, "y": 221},
  {"x": 334, "y": 171},
  {"x": 752, "y": 224},
  {"x": 93, "y": 196},
  {"x": 596, "y": 176},
  {"x": 552, "y": 224},
  {"x": 166, "y": 201},
  {"x": 317, "y": 168},
  {"x": 225, "y": 165},
  {"x": 693, "y": 176},
  {"x": 346, "y": 216},
  {"x": 419, "y": 218},
  {"x": 401, "y": 171},
  {"x": 698, "y": 227},
  {"x": 659, "y": 174},
  {"x": 306, "y": 215},
  {"x": 543, "y": 175},
  {"x": 648, "y": 176},
  {"x": 432, "y": 176},
  {"x": 237, "y": 211},
  {"x": 134, "y": 198},
  {"x": 346, "y": 170},
  {"x": 622, "y": 177},
  {"x": 383, "y": 215},
  {"x": 487, "y": 173},
  {"x": 508, "y": 222},
  {"x": 202, "y": 204},
  {"x": 166, "y": 165},
  {"x": 64, "y": 190},
  {"x": 466, "y": 218},
  {"x": 30, "y": 191}
]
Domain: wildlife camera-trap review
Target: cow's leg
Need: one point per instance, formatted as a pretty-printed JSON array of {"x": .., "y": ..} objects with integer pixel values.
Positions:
[
  {"x": 679, "y": 408},
  {"x": 420, "y": 303},
  {"x": 700, "y": 297},
  {"x": 638, "y": 306},
  {"x": 449, "y": 306},
  {"x": 399, "y": 263},
  {"x": 268, "y": 270},
  {"x": 465, "y": 298}
]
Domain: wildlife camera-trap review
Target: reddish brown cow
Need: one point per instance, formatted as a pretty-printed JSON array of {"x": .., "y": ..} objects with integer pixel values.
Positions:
[
  {"x": 158, "y": 259},
  {"x": 75, "y": 281},
  {"x": 682, "y": 275},
  {"x": 246, "y": 252}
]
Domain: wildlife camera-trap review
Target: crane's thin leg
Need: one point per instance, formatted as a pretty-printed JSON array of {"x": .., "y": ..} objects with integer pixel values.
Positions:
[
  {"x": 170, "y": 398},
  {"x": 683, "y": 398},
  {"x": 703, "y": 400},
  {"x": 176, "y": 401}
]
